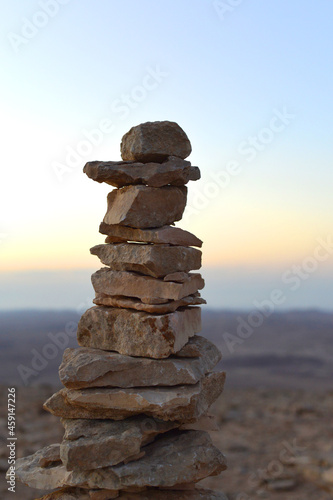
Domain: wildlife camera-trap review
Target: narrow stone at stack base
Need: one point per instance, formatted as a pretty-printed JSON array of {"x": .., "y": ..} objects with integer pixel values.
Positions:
[
  {"x": 184, "y": 403},
  {"x": 137, "y": 333}
]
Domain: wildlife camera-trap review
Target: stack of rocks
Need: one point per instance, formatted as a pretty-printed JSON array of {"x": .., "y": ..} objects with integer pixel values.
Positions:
[{"x": 137, "y": 391}]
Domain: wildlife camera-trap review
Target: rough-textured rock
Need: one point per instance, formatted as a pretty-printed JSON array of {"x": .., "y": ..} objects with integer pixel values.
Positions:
[
  {"x": 150, "y": 494},
  {"x": 178, "y": 458},
  {"x": 71, "y": 494},
  {"x": 84, "y": 367},
  {"x": 173, "y": 171},
  {"x": 155, "y": 141},
  {"x": 131, "y": 303},
  {"x": 130, "y": 284},
  {"x": 184, "y": 403},
  {"x": 137, "y": 333},
  {"x": 92, "y": 444},
  {"x": 30, "y": 472},
  {"x": 145, "y": 207},
  {"x": 165, "y": 234},
  {"x": 50, "y": 456},
  {"x": 153, "y": 260},
  {"x": 178, "y": 277}
]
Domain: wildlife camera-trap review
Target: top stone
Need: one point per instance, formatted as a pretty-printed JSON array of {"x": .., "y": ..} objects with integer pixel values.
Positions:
[{"x": 154, "y": 142}]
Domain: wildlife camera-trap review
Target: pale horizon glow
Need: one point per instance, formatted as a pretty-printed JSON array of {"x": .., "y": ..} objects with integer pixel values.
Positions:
[{"x": 253, "y": 89}]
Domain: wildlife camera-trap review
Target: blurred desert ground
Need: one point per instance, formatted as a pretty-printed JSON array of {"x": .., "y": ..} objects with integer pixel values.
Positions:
[{"x": 275, "y": 415}]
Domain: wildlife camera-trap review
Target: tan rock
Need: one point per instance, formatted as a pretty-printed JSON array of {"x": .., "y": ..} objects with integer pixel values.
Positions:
[
  {"x": 131, "y": 303},
  {"x": 177, "y": 458},
  {"x": 30, "y": 472},
  {"x": 173, "y": 171},
  {"x": 178, "y": 277},
  {"x": 137, "y": 333},
  {"x": 153, "y": 494},
  {"x": 153, "y": 260},
  {"x": 184, "y": 403},
  {"x": 70, "y": 494},
  {"x": 155, "y": 141},
  {"x": 93, "y": 444},
  {"x": 145, "y": 207},
  {"x": 148, "y": 494},
  {"x": 205, "y": 423},
  {"x": 130, "y": 284},
  {"x": 50, "y": 456},
  {"x": 165, "y": 234},
  {"x": 84, "y": 367}
]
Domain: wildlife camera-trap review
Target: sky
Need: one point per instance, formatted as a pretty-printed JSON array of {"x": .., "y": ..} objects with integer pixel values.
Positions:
[{"x": 250, "y": 82}]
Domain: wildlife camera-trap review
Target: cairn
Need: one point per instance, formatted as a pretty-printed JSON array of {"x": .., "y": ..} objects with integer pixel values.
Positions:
[{"x": 137, "y": 390}]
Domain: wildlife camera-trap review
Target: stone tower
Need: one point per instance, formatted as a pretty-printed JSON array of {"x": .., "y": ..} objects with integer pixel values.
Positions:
[{"x": 137, "y": 390}]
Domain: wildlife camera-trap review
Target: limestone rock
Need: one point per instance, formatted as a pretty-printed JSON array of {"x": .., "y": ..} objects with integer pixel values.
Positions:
[
  {"x": 137, "y": 333},
  {"x": 50, "y": 456},
  {"x": 173, "y": 171},
  {"x": 145, "y": 207},
  {"x": 130, "y": 303},
  {"x": 178, "y": 458},
  {"x": 155, "y": 141},
  {"x": 69, "y": 493},
  {"x": 130, "y": 284},
  {"x": 153, "y": 260},
  {"x": 178, "y": 277},
  {"x": 149, "y": 494},
  {"x": 165, "y": 234},
  {"x": 93, "y": 444},
  {"x": 30, "y": 472},
  {"x": 84, "y": 367},
  {"x": 184, "y": 403}
]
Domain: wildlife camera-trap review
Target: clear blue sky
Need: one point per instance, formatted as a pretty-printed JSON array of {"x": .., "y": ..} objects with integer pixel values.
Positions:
[{"x": 223, "y": 76}]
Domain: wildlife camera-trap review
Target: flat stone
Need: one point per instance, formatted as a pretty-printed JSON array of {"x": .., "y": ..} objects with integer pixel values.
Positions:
[
  {"x": 178, "y": 277},
  {"x": 145, "y": 207},
  {"x": 130, "y": 284},
  {"x": 177, "y": 458},
  {"x": 85, "y": 367},
  {"x": 30, "y": 472},
  {"x": 155, "y": 141},
  {"x": 153, "y": 260},
  {"x": 131, "y": 303},
  {"x": 137, "y": 333},
  {"x": 184, "y": 403},
  {"x": 150, "y": 494},
  {"x": 93, "y": 444},
  {"x": 166, "y": 234},
  {"x": 173, "y": 171}
]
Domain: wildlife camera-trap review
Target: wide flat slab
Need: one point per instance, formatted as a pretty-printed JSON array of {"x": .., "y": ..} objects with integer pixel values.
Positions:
[
  {"x": 153, "y": 260},
  {"x": 86, "y": 367},
  {"x": 148, "y": 289},
  {"x": 173, "y": 171},
  {"x": 184, "y": 403},
  {"x": 165, "y": 234}
]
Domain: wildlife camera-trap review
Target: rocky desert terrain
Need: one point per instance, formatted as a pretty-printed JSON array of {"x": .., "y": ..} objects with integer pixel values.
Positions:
[{"x": 275, "y": 416}]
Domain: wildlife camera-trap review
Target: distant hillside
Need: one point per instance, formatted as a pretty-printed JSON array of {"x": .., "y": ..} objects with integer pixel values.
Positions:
[{"x": 291, "y": 349}]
